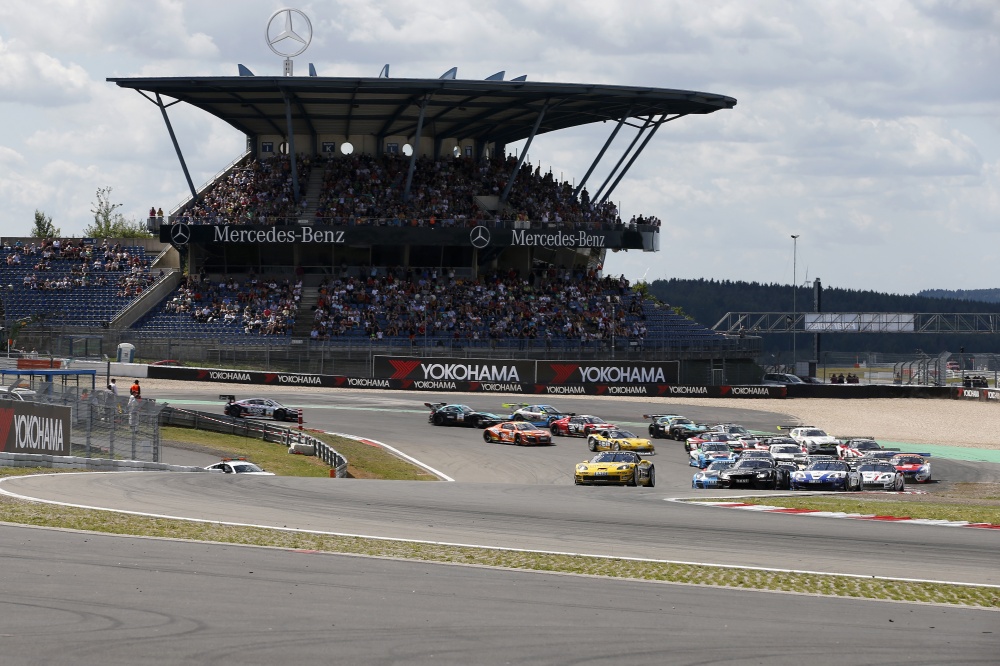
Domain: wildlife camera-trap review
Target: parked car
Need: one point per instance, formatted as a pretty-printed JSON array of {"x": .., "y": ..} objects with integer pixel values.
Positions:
[{"x": 780, "y": 379}]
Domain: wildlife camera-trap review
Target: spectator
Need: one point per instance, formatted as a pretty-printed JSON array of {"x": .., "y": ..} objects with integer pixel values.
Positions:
[{"x": 135, "y": 391}]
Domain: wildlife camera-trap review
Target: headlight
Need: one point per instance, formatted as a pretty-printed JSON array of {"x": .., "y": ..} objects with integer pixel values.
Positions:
[
  {"x": 798, "y": 475},
  {"x": 699, "y": 475},
  {"x": 581, "y": 468},
  {"x": 837, "y": 475},
  {"x": 761, "y": 475},
  {"x": 622, "y": 468}
]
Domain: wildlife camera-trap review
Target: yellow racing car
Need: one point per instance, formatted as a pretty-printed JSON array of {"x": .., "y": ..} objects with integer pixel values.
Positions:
[
  {"x": 616, "y": 439},
  {"x": 623, "y": 468}
]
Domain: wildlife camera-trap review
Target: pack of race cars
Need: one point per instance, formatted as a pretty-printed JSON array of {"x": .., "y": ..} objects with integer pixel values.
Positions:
[{"x": 727, "y": 455}]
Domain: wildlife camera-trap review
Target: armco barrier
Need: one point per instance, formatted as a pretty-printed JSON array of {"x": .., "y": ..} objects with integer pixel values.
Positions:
[
  {"x": 92, "y": 464},
  {"x": 267, "y": 432}
]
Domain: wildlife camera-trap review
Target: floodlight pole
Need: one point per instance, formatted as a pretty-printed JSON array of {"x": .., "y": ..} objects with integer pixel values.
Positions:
[{"x": 795, "y": 311}]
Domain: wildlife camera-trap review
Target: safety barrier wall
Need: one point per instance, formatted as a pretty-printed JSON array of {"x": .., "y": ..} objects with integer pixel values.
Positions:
[{"x": 92, "y": 464}]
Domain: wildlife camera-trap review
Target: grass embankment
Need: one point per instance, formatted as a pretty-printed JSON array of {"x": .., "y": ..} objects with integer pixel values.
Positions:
[
  {"x": 971, "y": 502},
  {"x": 371, "y": 462}
]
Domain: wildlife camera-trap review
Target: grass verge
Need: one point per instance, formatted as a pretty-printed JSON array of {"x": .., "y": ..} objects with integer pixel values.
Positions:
[
  {"x": 968, "y": 501},
  {"x": 29, "y": 513}
]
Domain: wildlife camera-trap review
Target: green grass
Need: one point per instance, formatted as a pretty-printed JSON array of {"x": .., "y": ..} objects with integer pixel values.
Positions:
[
  {"x": 16, "y": 511},
  {"x": 899, "y": 506}
]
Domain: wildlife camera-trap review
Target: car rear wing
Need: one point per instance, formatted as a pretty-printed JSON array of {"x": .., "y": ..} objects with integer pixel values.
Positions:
[
  {"x": 227, "y": 397},
  {"x": 656, "y": 416},
  {"x": 434, "y": 406},
  {"x": 911, "y": 453},
  {"x": 514, "y": 405}
]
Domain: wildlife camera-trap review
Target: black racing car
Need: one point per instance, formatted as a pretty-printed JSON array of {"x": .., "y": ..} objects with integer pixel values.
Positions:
[
  {"x": 755, "y": 473},
  {"x": 443, "y": 414}
]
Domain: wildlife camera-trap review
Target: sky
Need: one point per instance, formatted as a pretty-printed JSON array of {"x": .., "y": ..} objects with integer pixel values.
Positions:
[{"x": 869, "y": 130}]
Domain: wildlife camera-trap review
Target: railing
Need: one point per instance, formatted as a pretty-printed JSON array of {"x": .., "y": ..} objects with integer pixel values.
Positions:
[{"x": 267, "y": 432}]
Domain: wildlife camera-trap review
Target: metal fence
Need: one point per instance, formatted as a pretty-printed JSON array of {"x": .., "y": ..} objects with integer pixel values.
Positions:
[{"x": 105, "y": 425}]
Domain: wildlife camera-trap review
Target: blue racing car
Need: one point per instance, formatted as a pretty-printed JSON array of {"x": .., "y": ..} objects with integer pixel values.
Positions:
[{"x": 709, "y": 477}]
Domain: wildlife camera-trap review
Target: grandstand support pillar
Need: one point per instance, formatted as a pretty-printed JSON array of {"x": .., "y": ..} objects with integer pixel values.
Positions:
[
  {"x": 291, "y": 146},
  {"x": 663, "y": 119},
  {"x": 416, "y": 148},
  {"x": 173, "y": 140},
  {"x": 600, "y": 155},
  {"x": 611, "y": 174},
  {"x": 524, "y": 154}
]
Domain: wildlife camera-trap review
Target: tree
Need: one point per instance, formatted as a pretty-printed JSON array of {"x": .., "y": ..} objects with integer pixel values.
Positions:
[
  {"x": 109, "y": 223},
  {"x": 43, "y": 227}
]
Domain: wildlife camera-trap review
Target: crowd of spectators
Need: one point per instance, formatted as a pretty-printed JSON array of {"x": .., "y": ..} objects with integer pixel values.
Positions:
[
  {"x": 61, "y": 264},
  {"x": 258, "y": 306},
  {"x": 546, "y": 304},
  {"x": 369, "y": 190},
  {"x": 260, "y": 192}
]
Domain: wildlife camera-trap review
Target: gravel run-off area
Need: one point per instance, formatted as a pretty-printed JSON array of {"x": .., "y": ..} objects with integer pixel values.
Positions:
[{"x": 915, "y": 421}]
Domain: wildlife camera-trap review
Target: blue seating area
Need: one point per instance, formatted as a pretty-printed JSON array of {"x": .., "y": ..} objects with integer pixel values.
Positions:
[{"x": 68, "y": 290}]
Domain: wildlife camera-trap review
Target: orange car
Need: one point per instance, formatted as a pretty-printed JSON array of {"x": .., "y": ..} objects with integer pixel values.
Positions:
[{"x": 521, "y": 433}]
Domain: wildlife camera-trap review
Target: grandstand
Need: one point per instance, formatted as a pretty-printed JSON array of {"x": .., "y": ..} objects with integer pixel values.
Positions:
[{"x": 400, "y": 223}]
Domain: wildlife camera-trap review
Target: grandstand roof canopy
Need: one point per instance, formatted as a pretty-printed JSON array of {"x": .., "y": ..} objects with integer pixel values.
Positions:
[{"x": 495, "y": 111}]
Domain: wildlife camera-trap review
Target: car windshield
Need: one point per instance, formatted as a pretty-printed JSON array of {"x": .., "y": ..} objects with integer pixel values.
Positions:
[
  {"x": 872, "y": 467},
  {"x": 753, "y": 463},
  {"x": 244, "y": 467},
  {"x": 621, "y": 434},
  {"x": 615, "y": 457},
  {"x": 681, "y": 422},
  {"x": 814, "y": 433},
  {"x": 866, "y": 445},
  {"x": 544, "y": 409},
  {"x": 907, "y": 460},
  {"x": 716, "y": 446},
  {"x": 465, "y": 409},
  {"x": 593, "y": 419},
  {"x": 785, "y": 448},
  {"x": 523, "y": 425},
  {"x": 828, "y": 466},
  {"x": 719, "y": 464}
]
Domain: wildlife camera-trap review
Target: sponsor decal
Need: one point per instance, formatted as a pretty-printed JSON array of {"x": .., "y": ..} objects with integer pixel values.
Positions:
[
  {"x": 969, "y": 393},
  {"x": 621, "y": 374},
  {"x": 564, "y": 390},
  {"x": 469, "y": 373},
  {"x": 498, "y": 388},
  {"x": 558, "y": 239},
  {"x": 689, "y": 390},
  {"x": 360, "y": 382},
  {"x": 224, "y": 375},
  {"x": 6, "y": 419},
  {"x": 225, "y": 234},
  {"x": 623, "y": 390},
  {"x": 402, "y": 369},
  {"x": 437, "y": 386},
  {"x": 562, "y": 372},
  {"x": 992, "y": 394},
  {"x": 38, "y": 433},
  {"x": 747, "y": 390},
  {"x": 300, "y": 379}
]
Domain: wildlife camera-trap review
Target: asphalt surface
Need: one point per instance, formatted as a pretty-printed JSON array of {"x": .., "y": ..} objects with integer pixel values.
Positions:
[{"x": 129, "y": 600}]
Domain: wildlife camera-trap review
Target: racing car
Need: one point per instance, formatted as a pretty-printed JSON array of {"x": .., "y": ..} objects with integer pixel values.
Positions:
[
  {"x": 814, "y": 439},
  {"x": 857, "y": 448},
  {"x": 616, "y": 439},
  {"x": 681, "y": 429},
  {"x": 238, "y": 466},
  {"x": 709, "y": 477},
  {"x": 623, "y": 468},
  {"x": 880, "y": 475},
  {"x": 789, "y": 452},
  {"x": 914, "y": 466},
  {"x": 539, "y": 415},
  {"x": 696, "y": 441},
  {"x": 755, "y": 473},
  {"x": 709, "y": 452},
  {"x": 659, "y": 423},
  {"x": 826, "y": 473},
  {"x": 578, "y": 426},
  {"x": 521, "y": 433},
  {"x": 443, "y": 414},
  {"x": 259, "y": 407}
]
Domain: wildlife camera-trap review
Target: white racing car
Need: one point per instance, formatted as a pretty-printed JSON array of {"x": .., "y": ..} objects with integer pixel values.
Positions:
[{"x": 260, "y": 408}]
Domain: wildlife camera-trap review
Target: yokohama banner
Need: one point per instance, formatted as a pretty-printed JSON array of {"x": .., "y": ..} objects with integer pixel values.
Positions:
[
  {"x": 490, "y": 371},
  {"x": 606, "y": 372},
  {"x": 26, "y": 427}
]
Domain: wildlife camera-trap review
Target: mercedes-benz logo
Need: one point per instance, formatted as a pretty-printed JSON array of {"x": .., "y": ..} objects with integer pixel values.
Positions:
[
  {"x": 180, "y": 234},
  {"x": 287, "y": 37},
  {"x": 480, "y": 237}
]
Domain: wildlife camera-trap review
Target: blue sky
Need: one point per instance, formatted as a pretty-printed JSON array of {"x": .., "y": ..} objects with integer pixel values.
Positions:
[{"x": 871, "y": 130}]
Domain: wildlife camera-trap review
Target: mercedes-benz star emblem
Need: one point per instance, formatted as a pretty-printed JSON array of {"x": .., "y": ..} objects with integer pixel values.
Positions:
[
  {"x": 282, "y": 34},
  {"x": 480, "y": 237},
  {"x": 180, "y": 234}
]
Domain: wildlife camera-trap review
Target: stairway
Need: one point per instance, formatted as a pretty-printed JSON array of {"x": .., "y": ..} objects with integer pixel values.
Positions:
[
  {"x": 311, "y": 195},
  {"x": 304, "y": 315}
]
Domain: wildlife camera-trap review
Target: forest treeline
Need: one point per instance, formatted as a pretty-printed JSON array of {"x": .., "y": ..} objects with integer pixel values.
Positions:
[{"x": 707, "y": 302}]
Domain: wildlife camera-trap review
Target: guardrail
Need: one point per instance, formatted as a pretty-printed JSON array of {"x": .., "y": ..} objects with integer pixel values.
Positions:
[{"x": 267, "y": 432}]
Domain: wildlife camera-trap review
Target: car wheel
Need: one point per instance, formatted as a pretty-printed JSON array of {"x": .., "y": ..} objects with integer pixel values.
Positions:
[
  {"x": 438, "y": 420},
  {"x": 517, "y": 440},
  {"x": 518, "y": 417},
  {"x": 486, "y": 437},
  {"x": 652, "y": 477},
  {"x": 616, "y": 447},
  {"x": 635, "y": 478},
  {"x": 900, "y": 484},
  {"x": 591, "y": 444}
]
